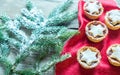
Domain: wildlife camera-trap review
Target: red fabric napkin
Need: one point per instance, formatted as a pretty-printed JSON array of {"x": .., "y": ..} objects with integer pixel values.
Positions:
[{"x": 71, "y": 65}]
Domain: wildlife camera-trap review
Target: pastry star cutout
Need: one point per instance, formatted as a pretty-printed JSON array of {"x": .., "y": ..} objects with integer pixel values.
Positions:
[
  {"x": 115, "y": 16},
  {"x": 97, "y": 30},
  {"x": 93, "y": 7},
  {"x": 116, "y": 53},
  {"x": 89, "y": 56}
]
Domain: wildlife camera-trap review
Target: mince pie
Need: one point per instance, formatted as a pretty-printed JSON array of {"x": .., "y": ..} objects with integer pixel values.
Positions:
[
  {"x": 96, "y": 31},
  {"x": 88, "y": 57},
  {"x": 93, "y": 9},
  {"x": 112, "y": 19},
  {"x": 113, "y": 54}
]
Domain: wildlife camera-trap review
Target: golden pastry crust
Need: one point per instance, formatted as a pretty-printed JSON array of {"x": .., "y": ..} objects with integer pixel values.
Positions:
[
  {"x": 93, "y": 63},
  {"x": 108, "y": 21},
  {"x": 94, "y": 15},
  {"x": 96, "y": 26},
  {"x": 111, "y": 58}
]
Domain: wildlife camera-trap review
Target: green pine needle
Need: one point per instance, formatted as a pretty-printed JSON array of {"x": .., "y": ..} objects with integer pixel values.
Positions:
[
  {"x": 65, "y": 33},
  {"x": 62, "y": 18},
  {"x": 29, "y": 5},
  {"x": 4, "y": 18},
  {"x": 50, "y": 64},
  {"x": 7, "y": 65},
  {"x": 26, "y": 72},
  {"x": 1, "y": 36},
  {"x": 4, "y": 49},
  {"x": 46, "y": 45},
  {"x": 45, "y": 67},
  {"x": 60, "y": 8}
]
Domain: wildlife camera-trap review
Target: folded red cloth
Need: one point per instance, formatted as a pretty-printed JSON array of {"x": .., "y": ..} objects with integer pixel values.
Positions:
[{"x": 71, "y": 65}]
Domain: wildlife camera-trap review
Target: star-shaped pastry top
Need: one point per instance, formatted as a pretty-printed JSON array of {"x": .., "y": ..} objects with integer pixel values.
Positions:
[
  {"x": 115, "y": 16},
  {"x": 93, "y": 7},
  {"x": 89, "y": 56},
  {"x": 97, "y": 30},
  {"x": 116, "y": 52}
]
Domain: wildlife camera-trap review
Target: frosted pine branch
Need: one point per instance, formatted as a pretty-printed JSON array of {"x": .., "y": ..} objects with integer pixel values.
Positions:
[
  {"x": 46, "y": 36},
  {"x": 33, "y": 15},
  {"x": 62, "y": 18},
  {"x": 14, "y": 43},
  {"x": 12, "y": 26},
  {"x": 60, "y": 8},
  {"x": 45, "y": 67},
  {"x": 53, "y": 62},
  {"x": 27, "y": 23}
]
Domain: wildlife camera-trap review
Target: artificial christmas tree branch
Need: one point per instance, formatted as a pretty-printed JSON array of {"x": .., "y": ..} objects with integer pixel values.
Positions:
[
  {"x": 54, "y": 61},
  {"x": 27, "y": 23},
  {"x": 12, "y": 27},
  {"x": 46, "y": 36},
  {"x": 62, "y": 18},
  {"x": 45, "y": 67},
  {"x": 60, "y": 8}
]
